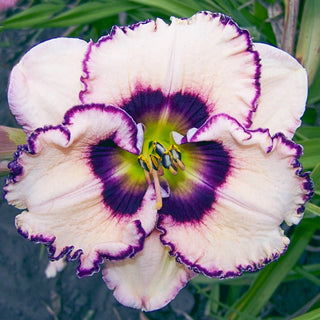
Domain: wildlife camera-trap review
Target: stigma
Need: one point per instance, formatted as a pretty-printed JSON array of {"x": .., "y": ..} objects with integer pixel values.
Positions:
[{"x": 159, "y": 159}]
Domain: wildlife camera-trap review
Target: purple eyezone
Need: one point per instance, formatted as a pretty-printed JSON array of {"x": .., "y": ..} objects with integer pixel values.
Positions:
[
  {"x": 190, "y": 202},
  {"x": 119, "y": 193},
  {"x": 176, "y": 164},
  {"x": 185, "y": 110}
]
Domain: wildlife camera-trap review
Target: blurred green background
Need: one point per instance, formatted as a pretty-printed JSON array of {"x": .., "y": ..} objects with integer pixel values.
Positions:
[{"x": 286, "y": 289}]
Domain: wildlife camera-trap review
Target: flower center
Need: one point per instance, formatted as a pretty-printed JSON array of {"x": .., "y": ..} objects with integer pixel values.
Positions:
[
  {"x": 160, "y": 157},
  {"x": 162, "y": 114}
]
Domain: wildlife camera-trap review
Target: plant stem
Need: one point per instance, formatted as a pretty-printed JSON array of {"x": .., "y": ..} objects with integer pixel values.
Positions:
[{"x": 290, "y": 25}]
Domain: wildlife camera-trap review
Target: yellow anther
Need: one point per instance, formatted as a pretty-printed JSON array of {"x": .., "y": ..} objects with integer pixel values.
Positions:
[
  {"x": 174, "y": 147},
  {"x": 175, "y": 153},
  {"x": 176, "y": 156},
  {"x": 155, "y": 161},
  {"x": 145, "y": 166},
  {"x": 160, "y": 158},
  {"x": 167, "y": 162},
  {"x": 143, "y": 162}
]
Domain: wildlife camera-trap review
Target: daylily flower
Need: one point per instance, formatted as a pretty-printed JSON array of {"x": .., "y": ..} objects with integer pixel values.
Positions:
[{"x": 162, "y": 151}]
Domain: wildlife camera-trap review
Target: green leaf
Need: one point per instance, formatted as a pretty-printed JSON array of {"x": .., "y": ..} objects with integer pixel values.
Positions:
[
  {"x": 32, "y": 16},
  {"x": 10, "y": 138},
  {"x": 214, "y": 6},
  {"x": 204, "y": 292},
  {"x": 174, "y": 7},
  {"x": 269, "y": 279},
  {"x": 145, "y": 13},
  {"x": 89, "y": 12},
  {"x": 245, "y": 279},
  {"x": 310, "y": 116},
  {"x": 312, "y": 315},
  {"x": 315, "y": 175},
  {"x": 3, "y": 171},
  {"x": 309, "y": 38},
  {"x": 309, "y": 132},
  {"x": 311, "y": 153},
  {"x": 313, "y": 269},
  {"x": 260, "y": 11},
  {"x": 307, "y": 275},
  {"x": 312, "y": 208},
  {"x": 213, "y": 301},
  {"x": 248, "y": 278},
  {"x": 314, "y": 92}
]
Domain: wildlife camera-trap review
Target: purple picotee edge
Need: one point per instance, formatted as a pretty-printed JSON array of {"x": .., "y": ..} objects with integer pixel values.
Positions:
[
  {"x": 307, "y": 185},
  {"x": 34, "y": 136},
  {"x": 128, "y": 253},
  {"x": 228, "y": 20},
  {"x": 223, "y": 19},
  {"x": 212, "y": 119},
  {"x": 86, "y": 73},
  {"x": 215, "y": 273},
  {"x": 125, "y": 117},
  {"x": 109, "y": 37},
  {"x": 16, "y": 169},
  {"x": 72, "y": 256}
]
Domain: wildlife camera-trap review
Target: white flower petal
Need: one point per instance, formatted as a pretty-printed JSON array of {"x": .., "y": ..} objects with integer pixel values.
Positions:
[
  {"x": 284, "y": 90},
  {"x": 224, "y": 223},
  {"x": 150, "y": 280},
  {"x": 46, "y": 82},
  {"x": 65, "y": 183},
  {"x": 207, "y": 57}
]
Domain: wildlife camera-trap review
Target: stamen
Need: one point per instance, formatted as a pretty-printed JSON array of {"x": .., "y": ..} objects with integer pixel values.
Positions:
[
  {"x": 156, "y": 163},
  {"x": 160, "y": 171},
  {"x": 180, "y": 164},
  {"x": 167, "y": 162},
  {"x": 169, "y": 159},
  {"x": 176, "y": 156},
  {"x": 175, "y": 152},
  {"x": 172, "y": 170},
  {"x": 159, "y": 148},
  {"x": 155, "y": 159},
  {"x": 145, "y": 166},
  {"x": 157, "y": 189},
  {"x": 143, "y": 163},
  {"x": 175, "y": 148}
]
